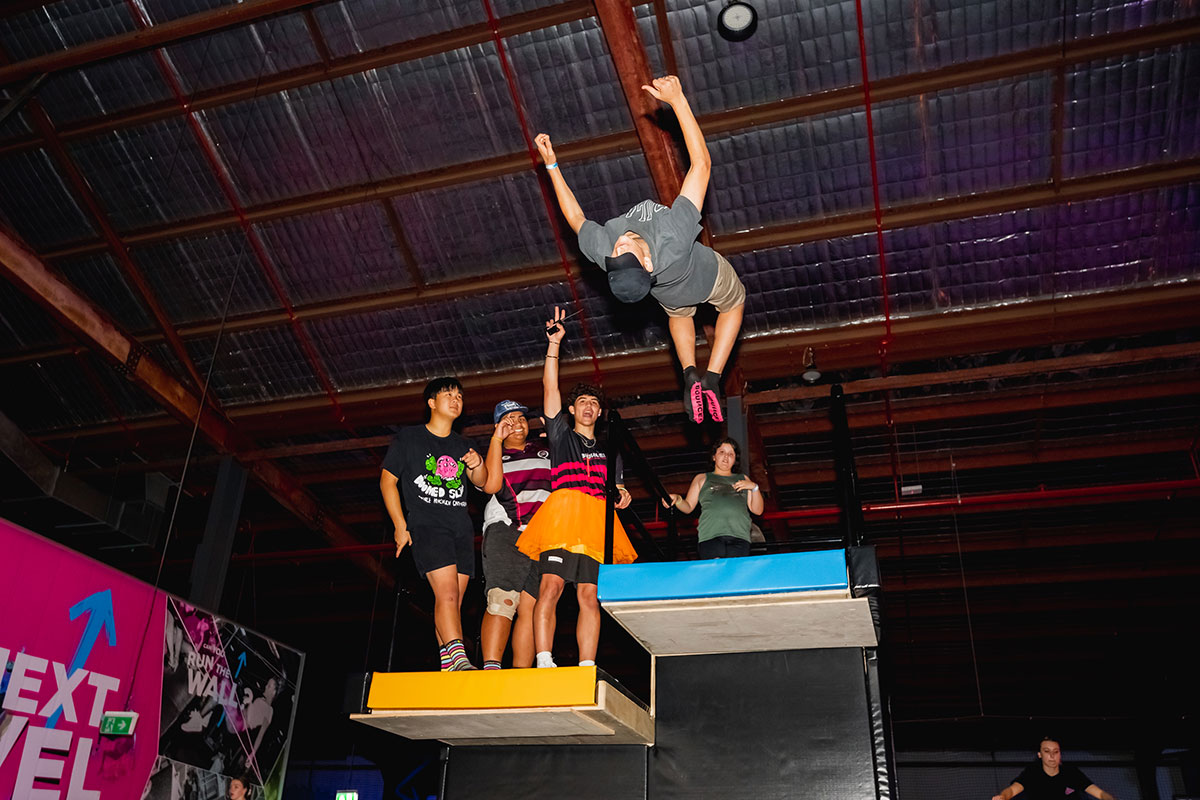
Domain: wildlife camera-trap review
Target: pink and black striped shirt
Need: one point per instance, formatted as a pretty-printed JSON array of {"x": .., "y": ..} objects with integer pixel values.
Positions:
[{"x": 577, "y": 463}]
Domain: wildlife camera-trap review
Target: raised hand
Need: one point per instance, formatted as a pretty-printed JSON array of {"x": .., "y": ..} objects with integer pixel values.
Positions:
[
  {"x": 503, "y": 428},
  {"x": 667, "y": 89},
  {"x": 544, "y": 147},
  {"x": 554, "y": 327}
]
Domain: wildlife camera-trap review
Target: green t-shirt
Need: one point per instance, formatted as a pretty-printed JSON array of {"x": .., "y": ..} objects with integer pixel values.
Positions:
[{"x": 723, "y": 510}]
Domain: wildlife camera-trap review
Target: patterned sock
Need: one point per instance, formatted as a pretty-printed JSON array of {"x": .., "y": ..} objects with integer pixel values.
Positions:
[
  {"x": 491, "y": 665},
  {"x": 457, "y": 652},
  {"x": 588, "y": 663},
  {"x": 711, "y": 380},
  {"x": 544, "y": 659},
  {"x": 445, "y": 658}
]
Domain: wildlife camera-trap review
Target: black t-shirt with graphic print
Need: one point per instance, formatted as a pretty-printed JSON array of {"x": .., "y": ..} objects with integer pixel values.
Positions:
[
  {"x": 432, "y": 478},
  {"x": 1040, "y": 786}
]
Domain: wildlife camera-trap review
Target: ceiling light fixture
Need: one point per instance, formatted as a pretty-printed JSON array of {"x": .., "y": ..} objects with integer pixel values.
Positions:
[
  {"x": 737, "y": 21},
  {"x": 811, "y": 374}
]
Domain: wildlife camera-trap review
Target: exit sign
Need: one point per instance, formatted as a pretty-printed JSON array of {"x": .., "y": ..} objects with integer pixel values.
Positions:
[
  {"x": 349, "y": 794},
  {"x": 118, "y": 723}
]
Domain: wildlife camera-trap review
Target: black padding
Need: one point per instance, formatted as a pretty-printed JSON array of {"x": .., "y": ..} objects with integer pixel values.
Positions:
[
  {"x": 864, "y": 571},
  {"x": 785, "y": 724},
  {"x": 549, "y": 772}
]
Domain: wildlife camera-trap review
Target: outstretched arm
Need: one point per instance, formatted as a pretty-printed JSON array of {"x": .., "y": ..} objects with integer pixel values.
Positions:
[
  {"x": 688, "y": 504},
  {"x": 1098, "y": 793},
  {"x": 551, "y": 398},
  {"x": 1009, "y": 792},
  {"x": 695, "y": 183},
  {"x": 566, "y": 198}
]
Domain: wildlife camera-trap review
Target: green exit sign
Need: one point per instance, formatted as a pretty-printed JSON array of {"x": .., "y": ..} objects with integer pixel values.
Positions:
[
  {"x": 349, "y": 794},
  {"x": 118, "y": 723}
]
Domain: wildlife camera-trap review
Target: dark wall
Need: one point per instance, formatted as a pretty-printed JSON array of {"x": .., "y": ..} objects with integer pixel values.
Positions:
[
  {"x": 546, "y": 772},
  {"x": 746, "y": 725},
  {"x": 763, "y": 725}
]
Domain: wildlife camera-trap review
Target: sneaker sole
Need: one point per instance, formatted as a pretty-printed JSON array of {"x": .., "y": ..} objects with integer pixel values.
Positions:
[
  {"x": 714, "y": 405},
  {"x": 696, "y": 395}
]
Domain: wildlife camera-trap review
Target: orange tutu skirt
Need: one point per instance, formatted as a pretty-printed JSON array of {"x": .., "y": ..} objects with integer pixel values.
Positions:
[{"x": 573, "y": 520}]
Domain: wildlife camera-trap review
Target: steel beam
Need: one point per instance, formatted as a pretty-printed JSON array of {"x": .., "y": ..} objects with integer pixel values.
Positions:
[
  {"x": 979, "y": 458},
  {"x": 143, "y": 39},
  {"x": 220, "y": 175},
  {"x": 113, "y": 241},
  {"x": 28, "y": 273},
  {"x": 765, "y": 358},
  {"x": 1132, "y": 180},
  {"x": 633, "y": 70},
  {"x": 335, "y": 68},
  {"x": 995, "y": 404}
]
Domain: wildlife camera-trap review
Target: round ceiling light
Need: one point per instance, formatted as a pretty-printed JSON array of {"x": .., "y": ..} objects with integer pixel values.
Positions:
[{"x": 737, "y": 21}]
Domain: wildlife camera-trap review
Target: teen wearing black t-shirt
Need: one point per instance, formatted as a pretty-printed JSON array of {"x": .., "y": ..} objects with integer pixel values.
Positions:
[
  {"x": 430, "y": 465},
  {"x": 1050, "y": 778}
]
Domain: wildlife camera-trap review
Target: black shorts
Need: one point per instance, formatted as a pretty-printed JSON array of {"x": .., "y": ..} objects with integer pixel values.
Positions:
[
  {"x": 725, "y": 547},
  {"x": 434, "y": 548},
  {"x": 504, "y": 566},
  {"x": 571, "y": 567}
]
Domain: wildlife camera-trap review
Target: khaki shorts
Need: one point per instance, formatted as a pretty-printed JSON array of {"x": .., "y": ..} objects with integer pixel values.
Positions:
[{"x": 727, "y": 293}]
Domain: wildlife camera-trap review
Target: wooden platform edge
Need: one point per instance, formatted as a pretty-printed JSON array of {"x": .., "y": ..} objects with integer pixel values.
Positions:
[{"x": 625, "y": 721}]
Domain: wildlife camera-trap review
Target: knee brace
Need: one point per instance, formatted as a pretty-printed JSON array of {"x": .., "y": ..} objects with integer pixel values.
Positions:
[{"x": 496, "y": 603}]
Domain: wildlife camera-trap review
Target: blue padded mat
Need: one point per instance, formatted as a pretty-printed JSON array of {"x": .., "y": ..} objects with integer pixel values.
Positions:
[{"x": 724, "y": 577}]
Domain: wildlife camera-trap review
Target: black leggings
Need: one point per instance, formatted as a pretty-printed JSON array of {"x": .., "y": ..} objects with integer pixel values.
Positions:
[{"x": 724, "y": 547}]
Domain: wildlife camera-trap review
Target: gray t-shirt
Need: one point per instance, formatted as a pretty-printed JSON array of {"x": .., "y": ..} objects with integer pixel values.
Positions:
[{"x": 684, "y": 270}]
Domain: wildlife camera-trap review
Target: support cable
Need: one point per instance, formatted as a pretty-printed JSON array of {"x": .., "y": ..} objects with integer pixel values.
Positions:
[{"x": 962, "y": 572}]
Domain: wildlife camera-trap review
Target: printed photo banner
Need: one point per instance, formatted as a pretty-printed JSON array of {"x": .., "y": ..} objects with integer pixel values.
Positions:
[{"x": 79, "y": 640}]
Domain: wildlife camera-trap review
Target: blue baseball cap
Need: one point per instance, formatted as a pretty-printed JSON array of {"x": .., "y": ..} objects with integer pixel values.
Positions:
[{"x": 507, "y": 407}]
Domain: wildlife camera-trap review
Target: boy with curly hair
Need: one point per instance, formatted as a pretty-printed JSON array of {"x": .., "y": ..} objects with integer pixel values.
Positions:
[{"x": 566, "y": 535}]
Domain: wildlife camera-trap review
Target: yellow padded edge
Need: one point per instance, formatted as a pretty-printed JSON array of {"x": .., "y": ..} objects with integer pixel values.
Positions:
[{"x": 506, "y": 688}]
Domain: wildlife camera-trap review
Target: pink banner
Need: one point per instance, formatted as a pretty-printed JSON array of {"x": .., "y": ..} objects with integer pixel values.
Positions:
[{"x": 77, "y": 639}]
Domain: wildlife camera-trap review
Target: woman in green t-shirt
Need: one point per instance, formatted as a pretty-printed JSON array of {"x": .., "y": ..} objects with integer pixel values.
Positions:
[{"x": 726, "y": 499}]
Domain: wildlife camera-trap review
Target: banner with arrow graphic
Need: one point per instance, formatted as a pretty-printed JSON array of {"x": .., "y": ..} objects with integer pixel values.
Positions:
[
  {"x": 111, "y": 690},
  {"x": 77, "y": 640}
]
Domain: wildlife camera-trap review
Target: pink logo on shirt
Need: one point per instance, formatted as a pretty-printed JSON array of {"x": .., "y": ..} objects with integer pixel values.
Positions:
[{"x": 447, "y": 467}]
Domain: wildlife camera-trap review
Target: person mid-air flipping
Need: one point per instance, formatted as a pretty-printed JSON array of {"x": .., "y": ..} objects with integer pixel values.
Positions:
[{"x": 653, "y": 249}]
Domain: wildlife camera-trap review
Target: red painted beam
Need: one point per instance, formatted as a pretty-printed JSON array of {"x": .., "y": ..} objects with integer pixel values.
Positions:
[
  {"x": 25, "y": 270},
  {"x": 225, "y": 182},
  {"x": 116, "y": 246},
  {"x": 633, "y": 68},
  {"x": 156, "y": 36}
]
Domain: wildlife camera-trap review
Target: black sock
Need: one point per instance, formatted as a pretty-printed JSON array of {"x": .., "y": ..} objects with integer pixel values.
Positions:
[
  {"x": 711, "y": 380},
  {"x": 690, "y": 375}
]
